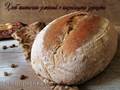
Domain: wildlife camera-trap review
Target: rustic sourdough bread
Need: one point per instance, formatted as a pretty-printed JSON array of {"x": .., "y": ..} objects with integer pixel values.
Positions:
[{"x": 74, "y": 48}]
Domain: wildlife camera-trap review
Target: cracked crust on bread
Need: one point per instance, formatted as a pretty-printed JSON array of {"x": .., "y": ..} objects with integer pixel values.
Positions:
[{"x": 68, "y": 49}]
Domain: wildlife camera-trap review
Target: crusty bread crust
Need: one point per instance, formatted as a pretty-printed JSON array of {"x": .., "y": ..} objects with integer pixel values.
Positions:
[{"x": 71, "y": 52}]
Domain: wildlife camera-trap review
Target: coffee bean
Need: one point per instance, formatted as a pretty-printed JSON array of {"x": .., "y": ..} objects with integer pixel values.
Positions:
[
  {"x": 14, "y": 65},
  {"x": 13, "y": 45},
  {"x": 22, "y": 77},
  {"x": 4, "y": 47},
  {"x": 6, "y": 74}
]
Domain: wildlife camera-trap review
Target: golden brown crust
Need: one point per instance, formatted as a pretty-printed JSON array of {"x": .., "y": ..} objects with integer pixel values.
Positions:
[
  {"x": 83, "y": 31},
  {"x": 57, "y": 31},
  {"x": 68, "y": 49},
  {"x": 73, "y": 29}
]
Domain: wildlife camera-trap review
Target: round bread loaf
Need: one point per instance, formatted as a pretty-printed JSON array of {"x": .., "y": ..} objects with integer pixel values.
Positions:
[{"x": 74, "y": 48}]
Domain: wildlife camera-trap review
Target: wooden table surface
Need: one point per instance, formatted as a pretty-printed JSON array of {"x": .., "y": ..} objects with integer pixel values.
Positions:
[{"x": 108, "y": 80}]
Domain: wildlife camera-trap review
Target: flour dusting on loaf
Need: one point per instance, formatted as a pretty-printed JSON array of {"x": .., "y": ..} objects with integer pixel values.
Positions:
[{"x": 74, "y": 48}]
